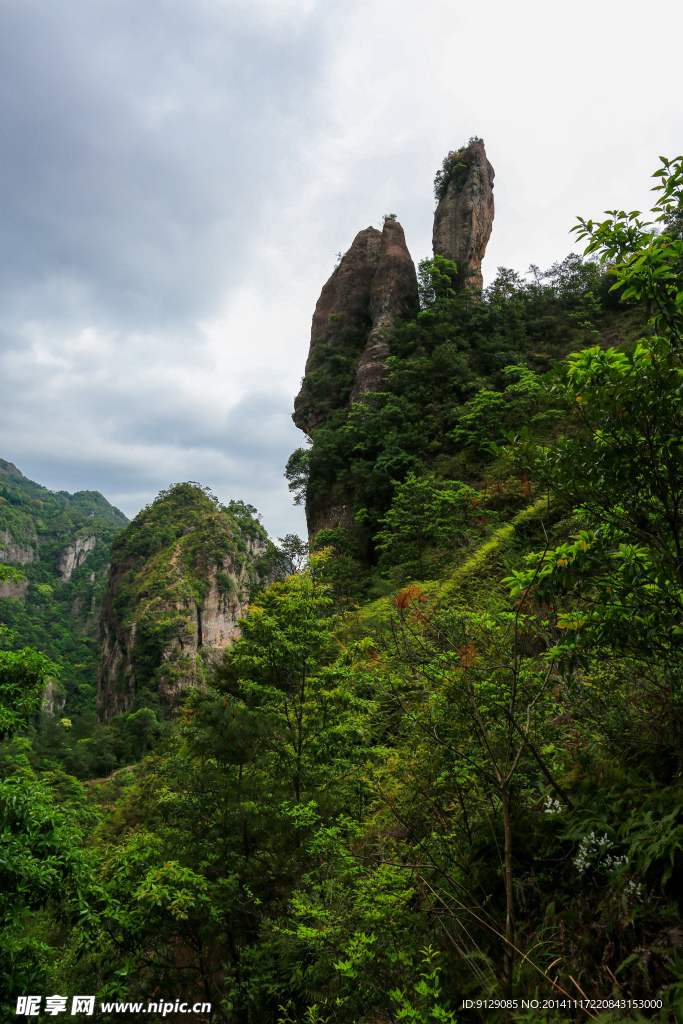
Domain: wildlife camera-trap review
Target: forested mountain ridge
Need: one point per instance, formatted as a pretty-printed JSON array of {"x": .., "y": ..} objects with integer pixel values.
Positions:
[
  {"x": 62, "y": 543},
  {"x": 438, "y": 774}
]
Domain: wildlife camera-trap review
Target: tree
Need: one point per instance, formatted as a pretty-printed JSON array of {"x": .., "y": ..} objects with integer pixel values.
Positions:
[
  {"x": 297, "y": 473},
  {"x": 619, "y": 583},
  {"x": 425, "y": 513},
  {"x": 282, "y": 675},
  {"x": 42, "y": 865},
  {"x": 488, "y": 703},
  {"x": 200, "y": 865},
  {"x": 23, "y": 675},
  {"x": 141, "y": 726},
  {"x": 294, "y": 552}
]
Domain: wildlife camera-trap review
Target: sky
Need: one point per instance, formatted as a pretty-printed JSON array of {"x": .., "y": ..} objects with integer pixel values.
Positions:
[{"x": 177, "y": 177}]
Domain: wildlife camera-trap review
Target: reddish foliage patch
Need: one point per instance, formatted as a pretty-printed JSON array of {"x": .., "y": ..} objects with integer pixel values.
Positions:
[
  {"x": 408, "y": 597},
  {"x": 467, "y": 655}
]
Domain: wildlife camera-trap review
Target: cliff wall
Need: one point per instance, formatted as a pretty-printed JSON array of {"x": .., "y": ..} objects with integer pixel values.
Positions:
[
  {"x": 340, "y": 327},
  {"x": 374, "y": 284},
  {"x": 393, "y": 294}
]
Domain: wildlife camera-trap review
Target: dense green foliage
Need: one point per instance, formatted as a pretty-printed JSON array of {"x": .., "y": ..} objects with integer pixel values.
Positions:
[
  {"x": 453, "y": 168},
  {"x": 467, "y": 788}
]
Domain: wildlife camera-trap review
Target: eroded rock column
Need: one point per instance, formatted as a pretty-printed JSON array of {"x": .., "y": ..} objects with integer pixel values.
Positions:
[
  {"x": 342, "y": 306},
  {"x": 393, "y": 294},
  {"x": 464, "y": 217}
]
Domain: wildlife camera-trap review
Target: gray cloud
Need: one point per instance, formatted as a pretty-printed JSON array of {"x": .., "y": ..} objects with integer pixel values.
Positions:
[
  {"x": 136, "y": 141},
  {"x": 136, "y": 145}
]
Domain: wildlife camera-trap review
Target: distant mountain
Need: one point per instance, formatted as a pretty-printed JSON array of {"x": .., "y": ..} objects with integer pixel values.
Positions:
[{"x": 61, "y": 542}]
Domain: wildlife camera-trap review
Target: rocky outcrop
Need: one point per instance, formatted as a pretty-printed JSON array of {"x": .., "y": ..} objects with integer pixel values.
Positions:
[
  {"x": 201, "y": 633},
  {"x": 10, "y": 469},
  {"x": 73, "y": 556},
  {"x": 54, "y": 699},
  {"x": 336, "y": 512},
  {"x": 340, "y": 314},
  {"x": 393, "y": 294},
  {"x": 464, "y": 216},
  {"x": 48, "y": 534},
  {"x": 17, "y": 590},
  {"x": 374, "y": 284},
  {"x": 12, "y": 552},
  {"x": 170, "y": 612}
]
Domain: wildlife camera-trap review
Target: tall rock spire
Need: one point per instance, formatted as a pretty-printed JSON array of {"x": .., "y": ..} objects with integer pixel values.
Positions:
[
  {"x": 464, "y": 217},
  {"x": 340, "y": 313},
  {"x": 373, "y": 285},
  {"x": 393, "y": 294}
]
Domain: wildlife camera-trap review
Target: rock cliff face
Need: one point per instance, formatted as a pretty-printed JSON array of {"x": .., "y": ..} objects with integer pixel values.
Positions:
[
  {"x": 464, "y": 216},
  {"x": 12, "y": 552},
  {"x": 16, "y": 590},
  {"x": 54, "y": 699},
  {"x": 60, "y": 541},
  {"x": 73, "y": 556},
  {"x": 375, "y": 284},
  {"x": 393, "y": 294},
  {"x": 181, "y": 577}
]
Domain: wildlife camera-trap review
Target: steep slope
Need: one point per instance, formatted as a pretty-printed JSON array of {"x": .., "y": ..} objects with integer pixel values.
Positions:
[
  {"x": 61, "y": 542},
  {"x": 182, "y": 574}
]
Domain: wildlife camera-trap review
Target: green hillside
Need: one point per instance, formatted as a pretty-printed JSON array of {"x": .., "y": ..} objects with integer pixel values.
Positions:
[{"x": 55, "y": 614}]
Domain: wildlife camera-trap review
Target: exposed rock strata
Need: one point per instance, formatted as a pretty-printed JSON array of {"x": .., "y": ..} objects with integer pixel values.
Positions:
[
  {"x": 73, "y": 556},
  {"x": 54, "y": 699},
  {"x": 392, "y": 295},
  {"x": 464, "y": 217},
  {"x": 17, "y": 590},
  {"x": 374, "y": 284}
]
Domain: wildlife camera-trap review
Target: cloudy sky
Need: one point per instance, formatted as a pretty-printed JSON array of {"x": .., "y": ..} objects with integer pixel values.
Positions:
[{"x": 176, "y": 177}]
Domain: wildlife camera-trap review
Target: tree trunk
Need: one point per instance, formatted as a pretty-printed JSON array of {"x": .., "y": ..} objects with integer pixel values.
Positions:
[{"x": 509, "y": 904}]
